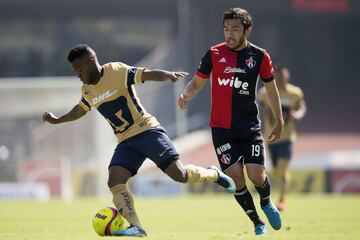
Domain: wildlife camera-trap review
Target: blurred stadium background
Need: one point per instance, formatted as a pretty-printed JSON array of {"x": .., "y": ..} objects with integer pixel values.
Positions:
[{"x": 317, "y": 39}]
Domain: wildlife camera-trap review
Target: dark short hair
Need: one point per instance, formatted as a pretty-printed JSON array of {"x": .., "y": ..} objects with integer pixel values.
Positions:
[
  {"x": 278, "y": 67},
  {"x": 80, "y": 51},
  {"x": 239, "y": 13}
]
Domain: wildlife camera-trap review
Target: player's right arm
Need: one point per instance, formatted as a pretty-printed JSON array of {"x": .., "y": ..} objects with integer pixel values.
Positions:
[
  {"x": 75, "y": 113},
  {"x": 300, "y": 108},
  {"x": 199, "y": 80},
  {"x": 190, "y": 91},
  {"x": 160, "y": 75}
]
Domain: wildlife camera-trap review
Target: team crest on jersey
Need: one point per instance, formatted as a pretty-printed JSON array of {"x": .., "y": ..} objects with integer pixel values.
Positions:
[
  {"x": 250, "y": 62},
  {"x": 225, "y": 158}
]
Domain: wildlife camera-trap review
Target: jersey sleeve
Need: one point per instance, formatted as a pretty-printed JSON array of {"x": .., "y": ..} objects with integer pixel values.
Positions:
[
  {"x": 205, "y": 66},
  {"x": 133, "y": 75},
  {"x": 266, "y": 68},
  {"x": 300, "y": 94},
  {"x": 85, "y": 104}
]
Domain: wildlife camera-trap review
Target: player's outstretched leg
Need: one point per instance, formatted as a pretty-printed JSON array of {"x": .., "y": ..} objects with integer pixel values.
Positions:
[
  {"x": 224, "y": 180},
  {"x": 212, "y": 174},
  {"x": 271, "y": 212},
  {"x": 194, "y": 174},
  {"x": 131, "y": 231}
]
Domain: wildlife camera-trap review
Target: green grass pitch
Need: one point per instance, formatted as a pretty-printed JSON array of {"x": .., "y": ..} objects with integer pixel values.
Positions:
[{"x": 200, "y": 217}]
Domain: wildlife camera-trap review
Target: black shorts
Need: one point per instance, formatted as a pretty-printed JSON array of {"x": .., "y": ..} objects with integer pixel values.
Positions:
[
  {"x": 281, "y": 150},
  {"x": 153, "y": 144},
  {"x": 231, "y": 147}
]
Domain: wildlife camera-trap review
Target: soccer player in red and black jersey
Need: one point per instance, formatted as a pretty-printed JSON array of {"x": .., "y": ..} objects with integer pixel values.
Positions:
[{"x": 235, "y": 67}]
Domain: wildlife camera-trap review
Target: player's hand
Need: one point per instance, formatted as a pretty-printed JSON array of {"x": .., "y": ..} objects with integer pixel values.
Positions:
[
  {"x": 50, "y": 118},
  {"x": 277, "y": 131},
  {"x": 183, "y": 101},
  {"x": 296, "y": 115},
  {"x": 176, "y": 75}
]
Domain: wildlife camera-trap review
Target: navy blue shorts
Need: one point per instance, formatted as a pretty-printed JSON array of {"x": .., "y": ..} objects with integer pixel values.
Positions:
[
  {"x": 153, "y": 144},
  {"x": 281, "y": 150},
  {"x": 232, "y": 147}
]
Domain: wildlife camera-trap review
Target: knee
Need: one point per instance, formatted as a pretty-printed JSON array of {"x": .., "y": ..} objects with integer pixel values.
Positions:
[
  {"x": 276, "y": 173},
  {"x": 115, "y": 179},
  {"x": 237, "y": 174},
  {"x": 118, "y": 175},
  {"x": 286, "y": 178},
  {"x": 257, "y": 179},
  {"x": 238, "y": 178},
  {"x": 239, "y": 182}
]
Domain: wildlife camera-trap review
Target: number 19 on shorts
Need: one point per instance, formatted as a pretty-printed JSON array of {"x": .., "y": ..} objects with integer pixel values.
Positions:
[{"x": 255, "y": 150}]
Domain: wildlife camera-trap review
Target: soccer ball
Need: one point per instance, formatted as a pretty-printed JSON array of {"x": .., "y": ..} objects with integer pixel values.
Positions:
[{"x": 107, "y": 220}]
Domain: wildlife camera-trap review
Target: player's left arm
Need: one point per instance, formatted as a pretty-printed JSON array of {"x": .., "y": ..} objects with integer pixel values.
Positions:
[
  {"x": 264, "y": 109},
  {"x": 264, "y": 112},
  {"x": 160, "y": 75},
  {"x": 267, "y": 75},
  {"x": 275, "y": 105}
]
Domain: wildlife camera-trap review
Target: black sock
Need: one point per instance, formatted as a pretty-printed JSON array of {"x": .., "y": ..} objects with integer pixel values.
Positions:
[
  {"x": 245, "y": 200},
  {"x": 264, "y": 192}
]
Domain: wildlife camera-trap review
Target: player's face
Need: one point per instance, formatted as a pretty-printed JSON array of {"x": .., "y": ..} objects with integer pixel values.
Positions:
[
  {"x": 85, "y": 68},
  {"x": 282, "y": 76},
  {"x": 234, "y": 34}
]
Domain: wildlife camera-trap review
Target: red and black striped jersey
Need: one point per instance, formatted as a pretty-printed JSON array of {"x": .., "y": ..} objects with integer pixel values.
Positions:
[{"x": 234, "y": 77}]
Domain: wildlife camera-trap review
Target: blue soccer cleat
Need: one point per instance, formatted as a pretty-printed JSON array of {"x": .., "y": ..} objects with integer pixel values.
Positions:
[
  {"x": 224, "y": 180},
  {"x": 260, "y": 230},
  {"x": 273, "y": 215},
  {"x": 131, "y": 231}
]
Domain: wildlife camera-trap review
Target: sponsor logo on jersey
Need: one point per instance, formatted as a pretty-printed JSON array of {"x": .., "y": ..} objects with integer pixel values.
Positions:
[
  {"x": 250, "y": 62},
  {"x": 225, "y": 158},
  {"x": 236, "y": 83},
  {"x": 103, "y": 96},
  {"x": 223, "y": 148},
  {"x": 234, "y": 70}
]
